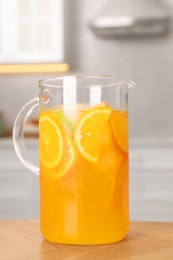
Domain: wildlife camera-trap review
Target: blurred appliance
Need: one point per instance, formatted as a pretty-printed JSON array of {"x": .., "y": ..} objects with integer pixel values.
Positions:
[{"x": 132, "y": 18}]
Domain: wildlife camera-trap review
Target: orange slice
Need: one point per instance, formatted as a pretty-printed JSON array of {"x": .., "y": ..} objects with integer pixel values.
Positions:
[
  {"x": 89, "y": 131},
  {"x": 70, "y": 155},
  {"x": 51, "y": 140},
  {"x": 60, "y": 114},
  {"x": 74, "y": 113},
  {"x": 119, "y": 124}
]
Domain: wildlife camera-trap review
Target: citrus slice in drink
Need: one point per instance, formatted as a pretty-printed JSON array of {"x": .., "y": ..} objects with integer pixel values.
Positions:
[
  {"x": 51, "y": 140},
  {"x": 60, "y": 114},
  {"x": 73, "y": 113},
  {"x": 70, "y": 155},
  {"x": 89, "y": 130},
  {"x": 119, "y": 124}
]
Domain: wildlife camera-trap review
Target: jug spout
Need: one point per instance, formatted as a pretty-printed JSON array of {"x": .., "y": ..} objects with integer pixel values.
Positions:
[{"x": 131, "y": 84}]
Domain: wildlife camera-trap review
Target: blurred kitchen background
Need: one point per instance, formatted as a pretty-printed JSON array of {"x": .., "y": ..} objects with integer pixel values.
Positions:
[{"x": 132, "y": 39}]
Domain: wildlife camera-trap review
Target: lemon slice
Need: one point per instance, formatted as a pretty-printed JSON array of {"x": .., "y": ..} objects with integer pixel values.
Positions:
[
  {"x": 119, "y": 124},
  {"x": 64, "y": 120},
  {"x": 69, "y": 157},
  {"x": 89, "y": 130}
]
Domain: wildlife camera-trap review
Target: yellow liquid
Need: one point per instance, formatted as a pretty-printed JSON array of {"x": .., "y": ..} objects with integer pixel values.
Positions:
[{"x": 88, "y": 204}]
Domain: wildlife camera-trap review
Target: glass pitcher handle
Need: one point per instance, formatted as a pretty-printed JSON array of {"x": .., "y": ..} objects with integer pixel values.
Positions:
[{"x": 18, "y": 137}]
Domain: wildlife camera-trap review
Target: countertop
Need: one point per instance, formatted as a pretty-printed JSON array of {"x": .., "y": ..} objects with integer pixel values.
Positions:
[{"x": 21, "y": 239}]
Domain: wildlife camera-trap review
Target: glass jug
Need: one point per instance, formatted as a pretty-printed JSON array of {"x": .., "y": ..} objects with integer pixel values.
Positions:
[{"x": 83, "y": 151}]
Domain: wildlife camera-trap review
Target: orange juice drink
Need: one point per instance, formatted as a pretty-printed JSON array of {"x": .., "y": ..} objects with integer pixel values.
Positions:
[{"x": 84, "y": 174}]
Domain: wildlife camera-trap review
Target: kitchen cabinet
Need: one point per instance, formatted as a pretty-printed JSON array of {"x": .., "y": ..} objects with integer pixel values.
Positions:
[
  {"x": 151, "y": 178},
  {"x": 19, "y": 188}
]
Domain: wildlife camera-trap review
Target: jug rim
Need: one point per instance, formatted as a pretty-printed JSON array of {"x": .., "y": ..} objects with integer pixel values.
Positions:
[{"x": 47, "y": 82}]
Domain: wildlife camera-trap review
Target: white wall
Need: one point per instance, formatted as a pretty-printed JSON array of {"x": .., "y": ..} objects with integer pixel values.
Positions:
[{"x": 148, "y": 61}]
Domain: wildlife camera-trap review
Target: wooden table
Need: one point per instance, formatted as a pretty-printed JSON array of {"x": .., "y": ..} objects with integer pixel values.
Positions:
[{"x": 20, "y": 240}]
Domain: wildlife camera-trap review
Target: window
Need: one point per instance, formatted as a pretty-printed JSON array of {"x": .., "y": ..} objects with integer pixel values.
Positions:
[{"x": 31, "y": 31}]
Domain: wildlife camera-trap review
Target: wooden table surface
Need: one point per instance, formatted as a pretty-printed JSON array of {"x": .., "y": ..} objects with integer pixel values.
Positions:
[{"x": 20, "y": 240}]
